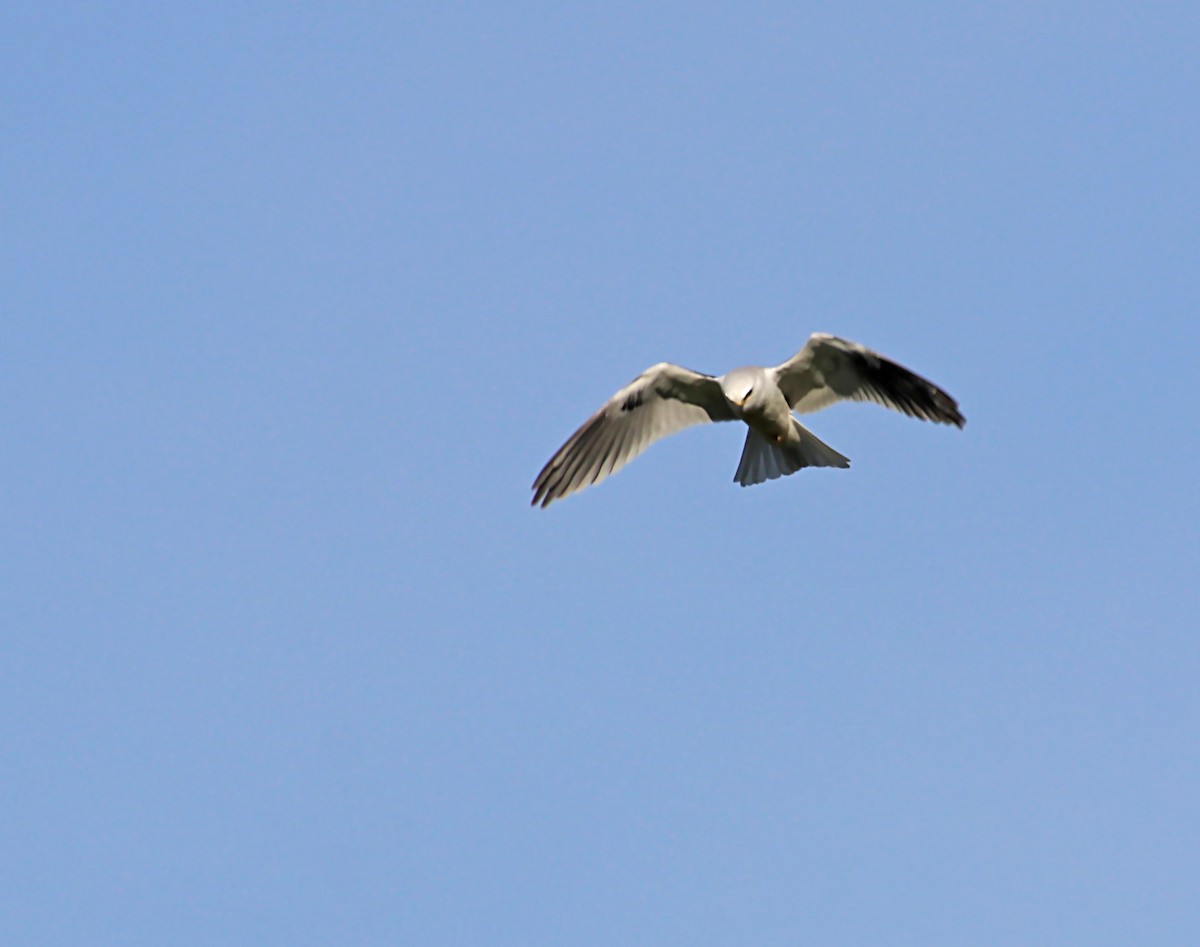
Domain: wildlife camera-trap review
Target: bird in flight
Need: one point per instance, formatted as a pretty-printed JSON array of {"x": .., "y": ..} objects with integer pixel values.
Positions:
[{"x": 667, "y": 398}]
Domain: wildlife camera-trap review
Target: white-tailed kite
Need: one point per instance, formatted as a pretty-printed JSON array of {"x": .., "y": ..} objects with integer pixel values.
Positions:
[{"x": 667, "y": 398}]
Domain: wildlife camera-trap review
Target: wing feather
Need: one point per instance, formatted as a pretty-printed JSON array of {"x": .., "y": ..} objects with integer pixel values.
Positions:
[
  {"x": 830, "y": 369},
  {"x": 662, "y": 400}
]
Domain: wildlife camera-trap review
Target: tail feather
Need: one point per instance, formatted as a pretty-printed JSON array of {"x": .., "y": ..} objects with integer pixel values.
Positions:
[{"x": 763, "y": 460}]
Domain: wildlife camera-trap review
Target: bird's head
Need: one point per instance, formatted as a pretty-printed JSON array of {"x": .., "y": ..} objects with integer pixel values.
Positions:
[{"x": 739, "y": 385}]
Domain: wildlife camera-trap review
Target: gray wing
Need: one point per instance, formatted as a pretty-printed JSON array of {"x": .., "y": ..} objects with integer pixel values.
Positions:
[
  {"x": 662, "y": 400},
  {"x": 830, "y": 369}
]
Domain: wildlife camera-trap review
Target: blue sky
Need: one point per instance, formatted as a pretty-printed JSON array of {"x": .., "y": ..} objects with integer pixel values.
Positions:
[{"x": 298, "y": 299}]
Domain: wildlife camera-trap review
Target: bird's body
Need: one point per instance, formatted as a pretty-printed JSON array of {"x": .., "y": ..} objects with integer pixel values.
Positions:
[
  {"x": 758, "y": 402},
  {"x": 667, "y": 398}
]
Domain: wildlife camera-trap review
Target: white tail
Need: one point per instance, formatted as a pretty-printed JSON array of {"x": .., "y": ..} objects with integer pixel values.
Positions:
[{"x": 762, "y": 460}]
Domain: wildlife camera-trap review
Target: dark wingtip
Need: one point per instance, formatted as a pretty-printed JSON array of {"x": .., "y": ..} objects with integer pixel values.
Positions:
[
  {"x": 916, "y": 396},
  {"x": 949, "y": 409},
  {"x": 951, "y": 414}
]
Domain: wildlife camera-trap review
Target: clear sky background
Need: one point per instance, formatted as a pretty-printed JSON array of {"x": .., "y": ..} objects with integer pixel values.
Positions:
[{"x": 297, "y": 299}]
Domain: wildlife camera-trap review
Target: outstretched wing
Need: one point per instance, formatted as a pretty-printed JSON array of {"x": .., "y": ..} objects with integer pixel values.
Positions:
[
  {"x": 662, "y": 400},
  {"x": 830, "y": 369}
]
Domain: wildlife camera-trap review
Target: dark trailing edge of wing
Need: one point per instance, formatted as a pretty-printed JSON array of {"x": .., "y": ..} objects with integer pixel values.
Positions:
[
  {"x": 894, "y": 386},
  {"x": 558, "y": 477}
]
